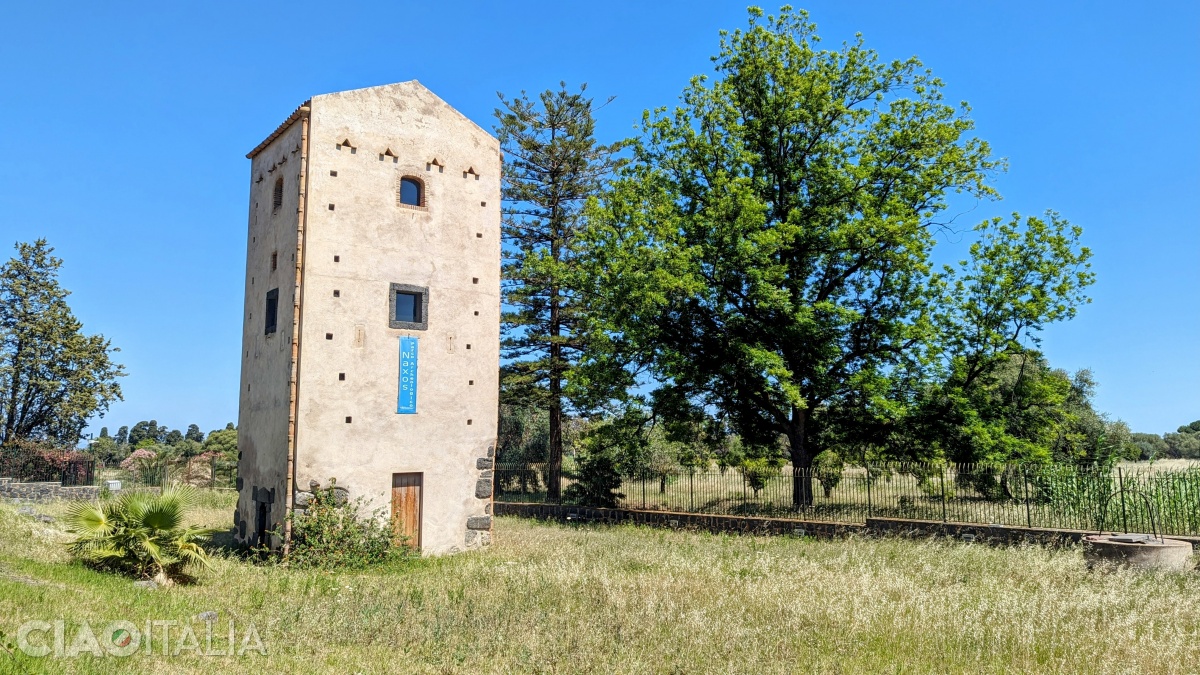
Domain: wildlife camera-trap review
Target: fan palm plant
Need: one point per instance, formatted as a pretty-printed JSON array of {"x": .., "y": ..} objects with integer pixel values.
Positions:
[{"x": 139, "y": 533}]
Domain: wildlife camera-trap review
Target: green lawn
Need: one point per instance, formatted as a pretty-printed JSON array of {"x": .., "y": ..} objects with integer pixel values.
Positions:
[{"x": 562, "y": 599}]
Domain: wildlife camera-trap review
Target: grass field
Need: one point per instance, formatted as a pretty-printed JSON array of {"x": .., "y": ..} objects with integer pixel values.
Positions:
[{"x": 590, "y": 599}]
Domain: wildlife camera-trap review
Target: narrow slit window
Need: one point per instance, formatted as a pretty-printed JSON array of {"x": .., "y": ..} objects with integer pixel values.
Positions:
[
  {"x": 277, "y": 197},
  {"x": 272, "y": 313},
  {"x": 412, "y": 192}
]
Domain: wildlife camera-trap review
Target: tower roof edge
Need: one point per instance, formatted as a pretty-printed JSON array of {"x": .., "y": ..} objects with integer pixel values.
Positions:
[{"x": 302, "y": 108}]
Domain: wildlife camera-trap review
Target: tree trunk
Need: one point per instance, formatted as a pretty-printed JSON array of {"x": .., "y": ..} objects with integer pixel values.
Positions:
[
  {"x": 802, "y": 459},
  {"x": 10, "y": 415},
  {"x": 554, "y": 489}
]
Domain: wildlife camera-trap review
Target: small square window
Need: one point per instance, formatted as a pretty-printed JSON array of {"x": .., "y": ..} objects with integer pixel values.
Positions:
[
  {"x": 329, "y": 336},
  {"x": 408, "y": 307},
  {"x": 348, "y": 418},
  {"x": 337, "y": 293},
  {"x": 331, "y": 207},
  {"x": 341, "y": 376},
  {"x": 333, "y": 173},
  {"x": 337, "y": 258}
]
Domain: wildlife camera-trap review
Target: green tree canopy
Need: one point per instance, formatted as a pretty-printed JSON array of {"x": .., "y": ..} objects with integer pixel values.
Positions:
[
  {"x": 222, "y": 441},
  {"x": 53, "y": 377},
  {"x": 768, "y": 251},
  {"x": 147, "y": 430},
  {"x": 194, "y": 433}
]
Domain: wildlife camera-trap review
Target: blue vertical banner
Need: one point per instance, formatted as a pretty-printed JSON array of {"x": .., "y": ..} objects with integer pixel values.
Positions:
[{"x": 406, "y": 402}]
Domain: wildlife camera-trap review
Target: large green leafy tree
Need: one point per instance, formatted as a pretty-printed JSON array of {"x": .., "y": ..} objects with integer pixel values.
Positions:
[
  {"x": 1185, "y": 442},
  {"x": 194, "y": 433},
  {"x": 147, "y": 431},
  {"x": 996, "y": 398},
  {"x": 1018, "y": 409},
  {"x": 768, "y": 252},
  {"x": 222, "y": 441},
  {"x": 553, "y": 164},
  {"x": 53, "y": 377}
]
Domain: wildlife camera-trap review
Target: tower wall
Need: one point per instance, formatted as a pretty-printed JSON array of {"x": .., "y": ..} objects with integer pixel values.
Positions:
[
  {"x": 451, "y": 246},
  {"x": 360, "y": 241},
  {"x": 267, "y": 357}
]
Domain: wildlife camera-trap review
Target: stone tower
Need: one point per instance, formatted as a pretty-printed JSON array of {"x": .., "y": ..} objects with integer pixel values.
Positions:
[{"x": 370, "y": 341}]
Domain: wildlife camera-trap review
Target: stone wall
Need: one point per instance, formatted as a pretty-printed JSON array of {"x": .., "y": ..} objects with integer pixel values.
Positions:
[
  {"x": 989, "y": 534},
  {"x": 45, "y": 492},
  {"x": 691, "y": 521}
]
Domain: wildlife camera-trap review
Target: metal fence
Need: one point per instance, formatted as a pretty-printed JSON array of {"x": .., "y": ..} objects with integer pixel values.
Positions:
[
  {"x": 1051, "y": 496},
  {"x": 39, "y": 468},
  {"x": 197, "y": 471}
]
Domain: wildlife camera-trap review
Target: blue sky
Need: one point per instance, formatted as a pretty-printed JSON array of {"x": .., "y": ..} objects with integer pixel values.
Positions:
[{"x": 125, "y": 132}]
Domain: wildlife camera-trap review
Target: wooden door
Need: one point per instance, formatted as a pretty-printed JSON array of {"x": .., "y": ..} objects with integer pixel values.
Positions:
[{"x": 406, "y": 506}]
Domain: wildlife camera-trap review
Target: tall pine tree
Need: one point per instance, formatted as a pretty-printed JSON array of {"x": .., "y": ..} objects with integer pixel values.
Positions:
[
  {"x": 552, "y": 165},
  {"x": 53, "y": 378}
]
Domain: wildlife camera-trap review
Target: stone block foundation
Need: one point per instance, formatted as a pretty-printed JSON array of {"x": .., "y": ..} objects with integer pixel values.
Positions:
[{"x": 46, "y": 492}]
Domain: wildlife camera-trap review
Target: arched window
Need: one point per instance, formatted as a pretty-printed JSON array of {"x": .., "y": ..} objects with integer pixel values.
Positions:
[
  {"x": 412, "y": 191},
  {"x": 277, "y": 198}
]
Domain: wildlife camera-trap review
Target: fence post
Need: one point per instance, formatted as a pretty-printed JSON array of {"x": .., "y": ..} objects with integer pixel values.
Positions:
[
  {"x": 691, "y": 490},
  {"x": 1121, "y": 490},
  {"x": 869, "y": 512},
  {"x": 1025, "y": 490},
  {"x": 942, "y": 481},
  {"x": 643, "y": 491}
]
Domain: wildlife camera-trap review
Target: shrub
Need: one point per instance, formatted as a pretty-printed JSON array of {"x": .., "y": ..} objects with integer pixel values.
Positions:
[
  {"x": 758, "y": 470},
  {"x": 827, "y": 468},
  {"x": 139, "y": 533},
  {"x": 332, "y": 532},
  {"x": 596, "y": 481},
  {"x": 29, "y": 460},
  {"x": 147, "y": 465}
]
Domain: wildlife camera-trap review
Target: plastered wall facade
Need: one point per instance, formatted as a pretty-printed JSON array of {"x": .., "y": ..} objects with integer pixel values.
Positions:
[
  {"x": 267, "y": 357},
  {"x": 359, "y": 240}
]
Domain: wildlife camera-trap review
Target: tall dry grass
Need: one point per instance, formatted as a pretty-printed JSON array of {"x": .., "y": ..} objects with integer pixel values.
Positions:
[{"x": 591, "y": 599}]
